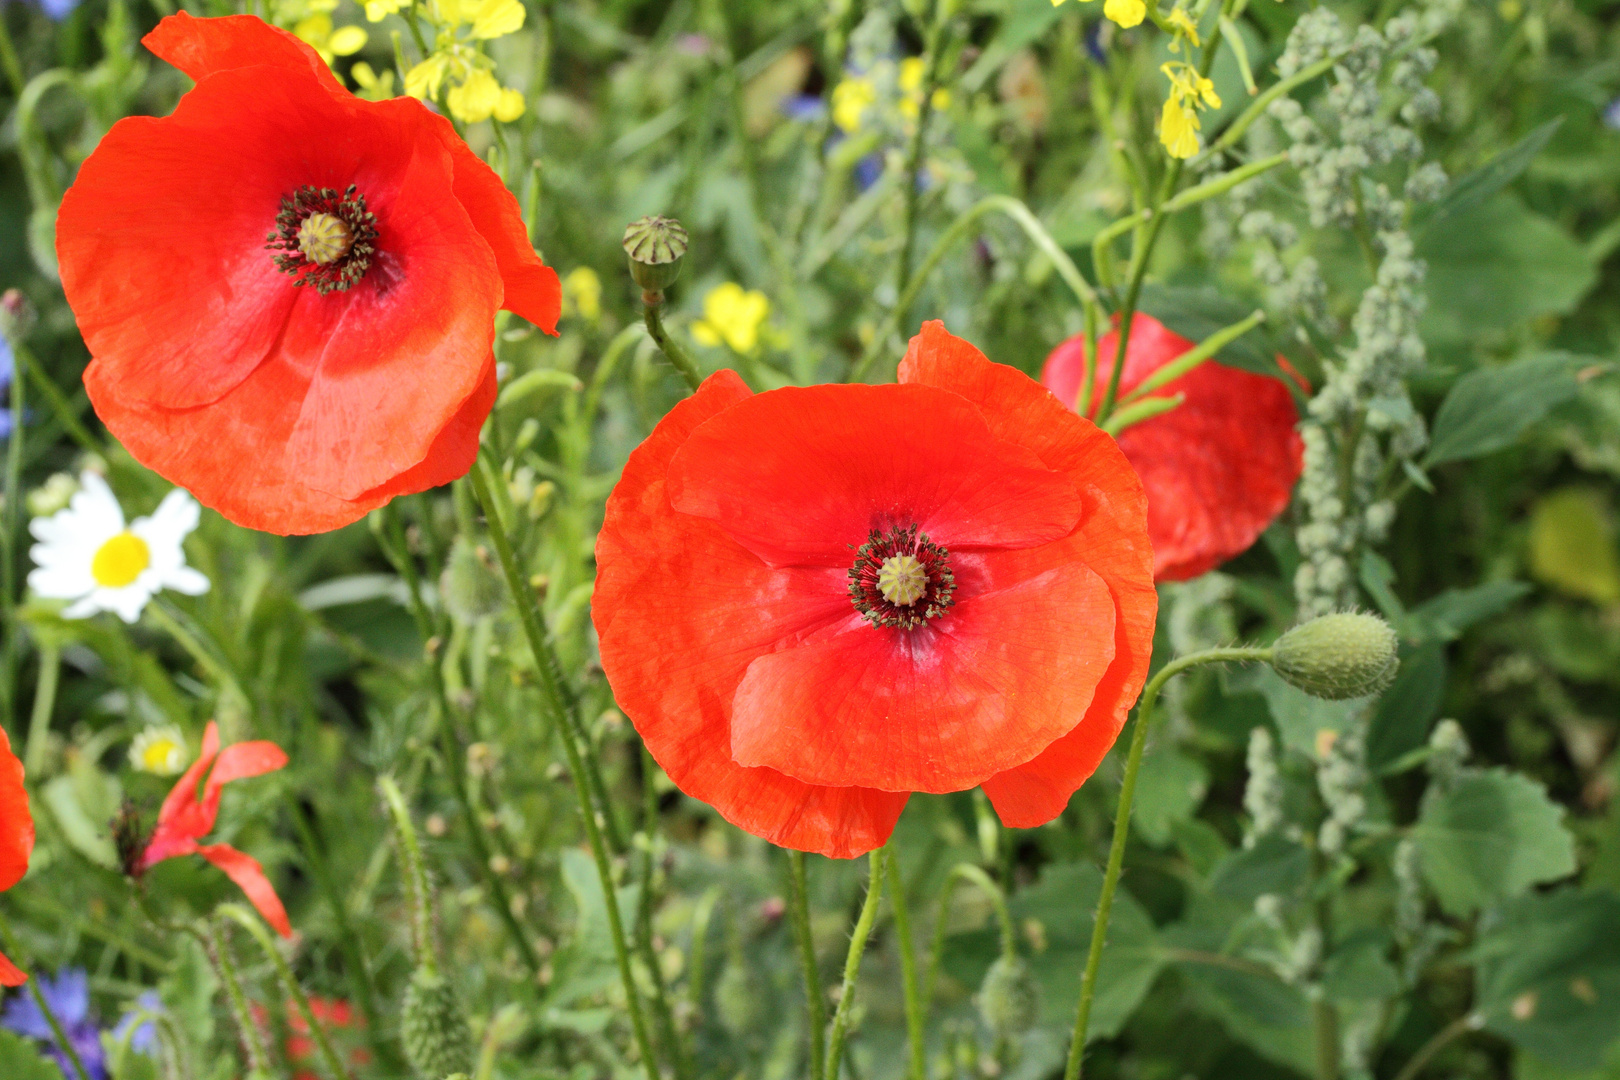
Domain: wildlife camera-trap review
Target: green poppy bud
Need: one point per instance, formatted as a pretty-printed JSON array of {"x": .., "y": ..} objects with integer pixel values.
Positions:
[
  {"x": 470, "y": 585},
  {"x": 655, "y": 246},
  {"x": 1344, "y": 655},
  {"x": 739, "y": 1000},
  {"x": 1009, "y": 998},
  {"x": 433, "y": 1028}
]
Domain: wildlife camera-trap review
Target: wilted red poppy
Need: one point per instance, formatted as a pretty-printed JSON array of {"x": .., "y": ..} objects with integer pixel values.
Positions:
[
  {"x": 1218, "y": 468},
  {"x": 187, "y": 817},
  {"x": 814, "y": 601},
  {"x": 16, "y": 839},
  {"x": 288, "y": 292}
]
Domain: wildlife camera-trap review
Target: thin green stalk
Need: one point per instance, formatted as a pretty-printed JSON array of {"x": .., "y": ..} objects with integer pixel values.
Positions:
[
  {"x": 1135, "y": 412},
  {"x": 8, "y": 60},
  {"x": 852, "y": 962},
  {"x": 415, "y": 875},
  {"x": 1122, "y": 821},
  {"x": 1452, "y": 1031},
  {"x": 816, "y": 1003},
  {"x": 1194, "y": 356},
  {"x": 12, "y": 525},
  {"x": 916, "y": 1036},
  {"x": 28, "y": 365},
  {"x": 39, "y": 724},
  {"x": 652, "y": 304},
  {"x": 912, "y": 173},
  {"x": 1257, "y": 108},
  {"x": 663, "y": 1012},
  {"x": 218, "y": 946},
  {"x": 551, "y": 693},
  {"x": 394, "y": 547},
  {"x": 998, "y": 901},
  {"x": 1194, "y": 195},
  {"x": 256, "y": 928},
  {"x": 1325, "y": 1038}
]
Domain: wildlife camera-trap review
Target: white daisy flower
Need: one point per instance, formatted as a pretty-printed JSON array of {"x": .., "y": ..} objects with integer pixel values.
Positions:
[
  {"x": 88, "y": 555},
  {"x": 160, "y": 750}
]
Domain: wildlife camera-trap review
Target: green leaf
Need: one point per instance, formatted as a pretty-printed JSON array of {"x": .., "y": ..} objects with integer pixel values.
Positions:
[
  {"x": 1488, "y": 409},
  {"x": 1496, "y": 266},
  {"x": 1472, "y": 188},
  {"x": 1272, "y": 865},
  {"x": 588, "y": 963},
  {"x": 1449, "y": 615},
  {"x": 1572, "y": 545},
  {"x": 1359, "y": 969},
  {"x": 1195, "y": 314},
  {"x": 1169, "y": 789},
  {"x": 19, "y": 1060},
  {"x": 1490, "y": 837},
  {"x": 1549, "y": 976},
  {"x": 188, "y": 991},
  {"x": 1301, "y": 718},
  {"x": 1407, "y": 710}
]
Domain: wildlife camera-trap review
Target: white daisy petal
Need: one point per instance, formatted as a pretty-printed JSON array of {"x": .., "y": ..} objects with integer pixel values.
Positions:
[
  {"x": 85, "y": 608},
  {"x": 176, "y": 516},
  {"x": 185, "y": 579}
]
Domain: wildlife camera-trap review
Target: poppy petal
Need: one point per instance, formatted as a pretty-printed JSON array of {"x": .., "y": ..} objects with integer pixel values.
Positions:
[
  {"x": 238, "y": 762},
  {"x": 11, "y": 974},
  {"x": 940, "y": 708},
  {"x": 181, "y": 819},
  {"x": 681, "y": 610},
  {"x": 245, "y": 870},
  {"x": 1218, "y": 468},
  {"x": 202, "y": 47},
  {"x": 1110, "y": 540},
  {"x": 16, "y": 822},
  {"x": 800, "y": 476}
]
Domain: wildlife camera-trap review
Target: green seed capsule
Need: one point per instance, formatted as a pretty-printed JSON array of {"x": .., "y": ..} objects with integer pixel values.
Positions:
[
  {"x": 1339, "y": 656},
  {"x": 1009, "y": 998},
  {"x": 433, "y": 1028},
  {"x": 469, "y": 584},
  {"x": 655, "y": 246}
]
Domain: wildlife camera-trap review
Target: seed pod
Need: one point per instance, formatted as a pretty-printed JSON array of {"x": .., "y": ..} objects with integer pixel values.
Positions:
[
  {"x": 738, "y": 999},
  {"x": 655, "y": 246},
  {"x": 1009, "y": 998},
  {"x": 469, "y": 584},
  {"x": 433, "y": 1028},
  {"x": 1344, "y": 655}
]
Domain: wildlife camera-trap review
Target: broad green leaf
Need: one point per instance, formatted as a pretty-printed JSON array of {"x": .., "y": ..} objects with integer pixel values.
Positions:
[
  {"x": 1359, "y": 969},
  {"x": 1169, "y": 789},
  {"x": 1572, "y": 545},
  {"x": 1491, "y": 837},
  {"x": 1195, "y": 314},
  {"x": 1473, "y": 188},
  {"x": 587, "y": 964},
  {"x": 188, "y": 991},
  {"x": 1497, "y": 266},
  {"x": 1301, "y": 718},
  {"x": 1405, "y": 713},
  {"x": 1488, "y": 409},
  {"x": 1449, "y": 615},
  {"x": 1549, "y": 976},
  {"x": 20, "y": 1060},
  {"x": 1272, "y": 865}
]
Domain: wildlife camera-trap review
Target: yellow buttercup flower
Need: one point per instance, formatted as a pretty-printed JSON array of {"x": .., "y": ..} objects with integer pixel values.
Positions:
[
  {"x": 850, "y": 100},
  {"x": 733, "y": 315}
]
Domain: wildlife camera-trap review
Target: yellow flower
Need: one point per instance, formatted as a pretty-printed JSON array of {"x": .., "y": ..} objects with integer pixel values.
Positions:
[
  {"x": 495, "y": 18},
  {"x": 316, "y": 31},
  {"x": 474, "y": 100},
  {"x": 850, "y": 100},
  {"x": 1184, "y": 27},
  {"x": 582, "y": 293},
  {"x": 373, "y": 87},
  {"x": 510, "y": 106},
  {"x": 1178, "y": 123},
  {"x": 1127, "y": 13},
  {"x": 910, "y": 84},
  {"x": 378, "y": 10},
  {"x": 733, "y": 315},
  {"x": 423, "y": 80},
  {"x": 160, "y": 750},
  {"x": 911, "y": 73}
]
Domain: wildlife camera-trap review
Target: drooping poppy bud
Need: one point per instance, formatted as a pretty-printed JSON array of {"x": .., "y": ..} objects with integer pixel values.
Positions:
[{"x": 1347, "y": 654}]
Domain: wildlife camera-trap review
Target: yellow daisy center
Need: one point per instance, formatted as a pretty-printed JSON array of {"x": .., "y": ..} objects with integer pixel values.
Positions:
[
  {"x": 159, "y": 754},
  {"x": 902, "y": 580},
  {"x": 120, "y": 561}
]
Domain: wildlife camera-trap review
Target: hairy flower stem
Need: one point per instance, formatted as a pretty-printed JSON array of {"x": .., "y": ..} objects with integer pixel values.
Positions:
[
  {"x": 652, "y": 312},
  {"x": 852, "y": 962},
  {"x": 11, "y": 526},
  {"x": 12, "y": 949},
  {"x": 256, "y": 928},
  {"x": 395, "y": 548},
  {"x": 218, "y": 946},
  {"x": 815, "y": 1002},
  {"x": 415, "y": 875},
  {"x": 1122, "y": 823},
  {"x": 39, "y": 722},
  {"x": 551, "y": 693},
  {"x": 998, "y": 901},
  {"x": 916, "y": 1036}
]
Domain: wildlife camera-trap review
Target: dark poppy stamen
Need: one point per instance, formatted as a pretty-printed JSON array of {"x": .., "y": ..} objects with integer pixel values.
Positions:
[
  {"x": 901, "y": 579},
  {"x": 325, "y": 239}
]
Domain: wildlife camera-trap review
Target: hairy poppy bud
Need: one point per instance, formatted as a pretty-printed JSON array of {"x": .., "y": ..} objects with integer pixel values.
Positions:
[
  {"x": 655, "y": 246},
  {"x": 1009, "y": 998},
  {"x": 1343, "y": 655},
  {"x": 738, "y": 999},
  {"x": 470, "y": 586},
  {"x": 433, "y": 1028}
]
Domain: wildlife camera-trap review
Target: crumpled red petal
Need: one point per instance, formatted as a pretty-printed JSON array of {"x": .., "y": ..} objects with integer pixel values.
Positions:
[
  {"x": 16, "y": 821},
  {"x": 245, "y": 870}
]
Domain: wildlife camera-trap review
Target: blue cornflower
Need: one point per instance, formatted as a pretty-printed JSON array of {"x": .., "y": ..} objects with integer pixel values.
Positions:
[
  {"x": 8, "y": 369},
  {"x": 803, "y": 107},
  {"x": 1611, "y": 115},
  {"x": 144, "y": 1041},
  {"x": 68, "y": 995}
]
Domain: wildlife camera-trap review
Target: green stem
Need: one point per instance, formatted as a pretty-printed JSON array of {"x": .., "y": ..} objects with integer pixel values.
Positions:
[
  {"x": 912, "y": 172},
  {"x": 8, "y": 60},
  {"x": 1454, "y": 1030},
  {"x": 219, "y": 951},
  {"x": 916, "y": 1037},
  {"x": 1122, "y": 821},
  {"x": 1194, "y": 356},
  {"x": 66, "y": 415},
  {"x": 1234, "y": 131},
  {"x": 998, "y": 901},
  {"x": 852, "y": 962},
  {"x": 960, "y": 228},
  {"x": 1209, "y": 189},
  {"x": 663, "y": 1012},
  {"x": 681, "y": 360},
  {"x": 415, "y": 875},
  {"x": 256, "y": 928},
  {"x": 816, "y": 1003},
  {"x": 11, "y": 523},
  {"x": 1325, "y": 1037},
  {"x": 39, "y": 724},
  {"x": 15, "y": 952},
  {"x": 392, "y": 537},
  {"x": 551, "y": 693}
]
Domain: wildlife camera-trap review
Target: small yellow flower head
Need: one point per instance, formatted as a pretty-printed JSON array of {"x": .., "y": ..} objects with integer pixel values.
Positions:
[
  {"x": 316, "y": 31},
  {"x": 510, "y": 106},
  {"x": 1178, "y": 123},
  {"x": 159, "y": 750},
  {"x": 378, "y": 10},
  {"x": 911, "y": 74},
  {"x": 850, "y": 100},
  {"x": 733, "y": 315},
  {"x": 1127, "y": 13},
  {"x": 495, "y": 18},
  {"x": 373, "y": 87},
  {"x": 475, "y": 99},
  {"x": 582, "y": 293},
  {"x": 423, "y": 81},
  {"x": 1184, "y": 28}
]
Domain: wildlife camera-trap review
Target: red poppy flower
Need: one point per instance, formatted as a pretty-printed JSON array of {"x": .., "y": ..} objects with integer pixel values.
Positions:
[
  {"x": 16, "y": 839},
  {"x": 297, "y": 382},
  {"x": 814, "y": 601},
  {"x": 187, "y": 817},
  {"x": 1218, "y": 468}
]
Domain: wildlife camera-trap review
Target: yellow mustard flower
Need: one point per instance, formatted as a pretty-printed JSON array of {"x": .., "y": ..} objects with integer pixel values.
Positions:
[
  {"x": 910, "y": 83},
  {"x": 494, "y": 18},
  {"x": 1178, "y": 122},
  {"x": 1184, "y": 28},
  {"x": 316, "y": 31},
  {"x": 378, "y": 10},
  {"x": 850, "y": 100},
  {"x": 582, "y": 293},
  {"x": 733, "y": 315},
  {"x": 510, "y": 106},
  {"x": 423, "y": 80},
  {"x": 1127, "y": 13},
  {"x": 474, "y": 100},
  {"x": 373, "y": 87}
]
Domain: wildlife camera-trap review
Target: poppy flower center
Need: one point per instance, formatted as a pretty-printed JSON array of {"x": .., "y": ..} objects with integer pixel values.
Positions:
[
  {"x": 324, "y": 239},
  {"x": 901, "y": 579}
]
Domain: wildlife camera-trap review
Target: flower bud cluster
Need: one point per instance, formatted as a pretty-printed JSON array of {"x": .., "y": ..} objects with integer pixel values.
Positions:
[
  {"x": 1341, "y": 779},
  {"x": 1263, "y": 794}
]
